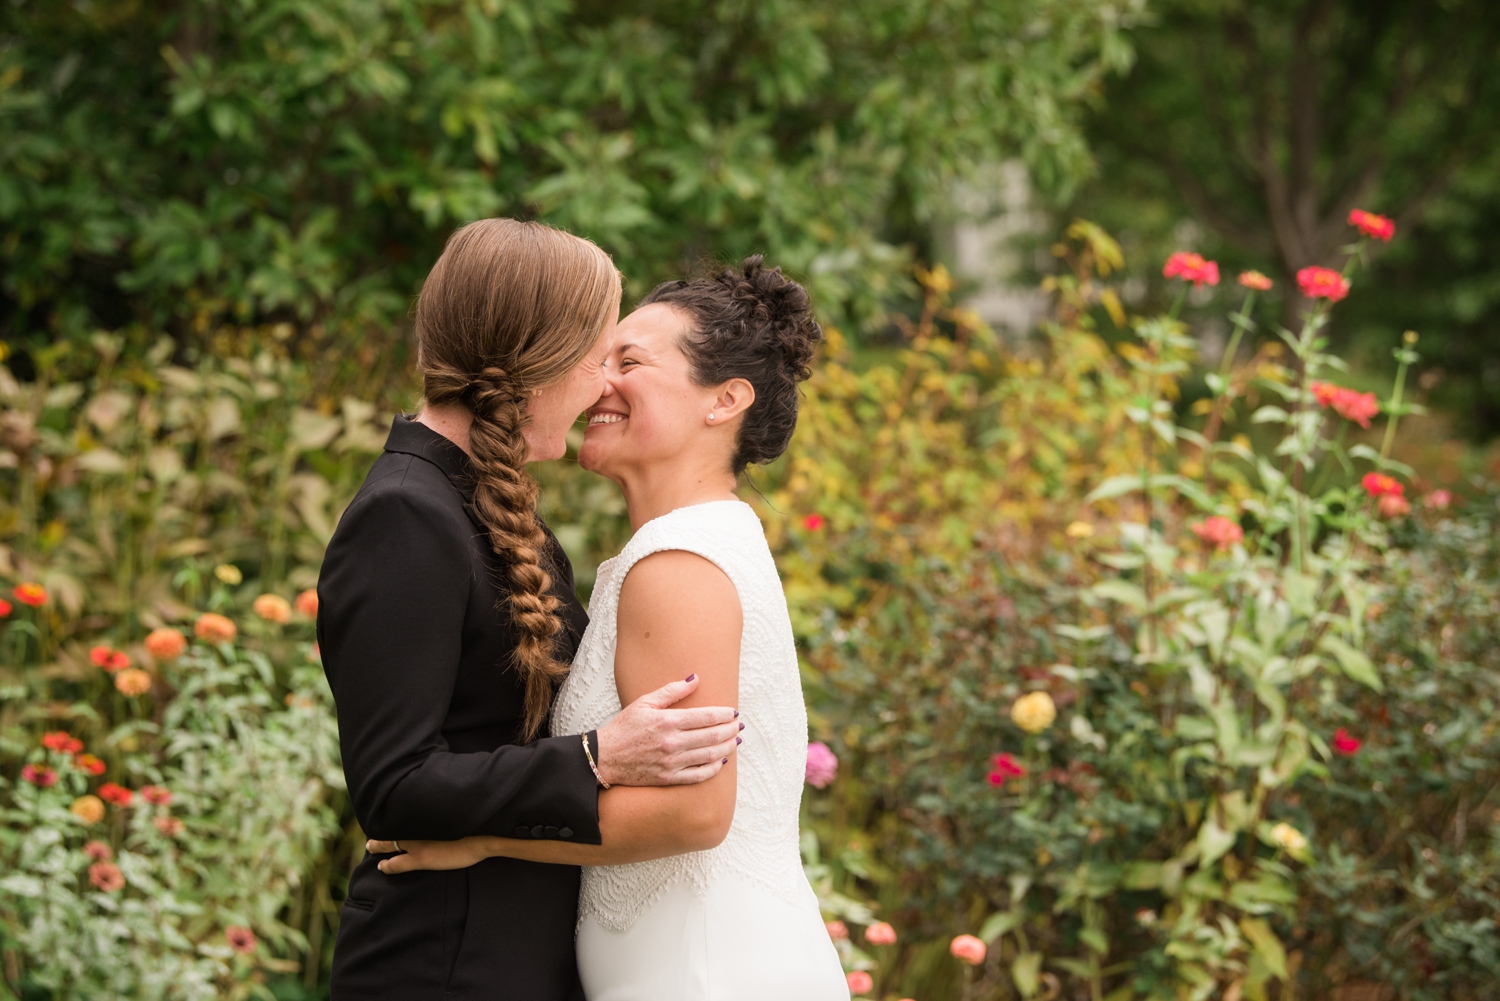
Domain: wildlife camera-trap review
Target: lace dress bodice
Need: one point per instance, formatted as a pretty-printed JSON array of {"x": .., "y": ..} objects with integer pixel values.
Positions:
[{"x": 762, "y": 843}]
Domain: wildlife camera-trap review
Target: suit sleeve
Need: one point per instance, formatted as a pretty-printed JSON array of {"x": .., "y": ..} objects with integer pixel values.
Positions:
[{"x": 392, "y": 597}]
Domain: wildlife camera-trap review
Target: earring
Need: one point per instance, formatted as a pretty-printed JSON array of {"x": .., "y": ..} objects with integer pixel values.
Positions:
[
  {"x": 710, "y": 416},
  {"x": 536, "y": 392}
]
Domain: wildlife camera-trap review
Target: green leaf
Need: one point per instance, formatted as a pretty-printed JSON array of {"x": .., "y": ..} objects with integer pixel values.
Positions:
[
  {"x": 1354, "y": 662},
  {"x": 1026, "y": 971},
  {"x": 1116, "y": 486},
  {"x": 1122, "y": 591},
  {"x": 1213, "y": 841},
  {"x": 1095, "y": 939},
  {"x": 998, "y": 924},
  {"x": 1267, "y": 946}
]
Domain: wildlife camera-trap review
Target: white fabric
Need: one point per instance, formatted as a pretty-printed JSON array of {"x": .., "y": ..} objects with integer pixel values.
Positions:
[{"x": 738, "y": 921}]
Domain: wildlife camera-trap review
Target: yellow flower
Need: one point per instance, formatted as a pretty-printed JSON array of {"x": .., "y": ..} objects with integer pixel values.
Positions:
[
  {"x": 229, "y": 573},
  {"x": 1034, "y": 712},
  {"x": 1288, "y": 837},
  {"x": 89, "y": 809},
  {"x": 273, "y": 608},
  {"x": 1080, "y": 530},
  {"x": 133, "y": 682}
]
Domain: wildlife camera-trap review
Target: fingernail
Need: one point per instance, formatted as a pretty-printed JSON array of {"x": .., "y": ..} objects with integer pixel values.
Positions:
[
  {"x": 690, "y": 677},
  {"x": 739, "y": 740},
  {"x": 726, "y": 761},
  {"x": 737, "y": 716},
  {"x": 742, "y": 726}
]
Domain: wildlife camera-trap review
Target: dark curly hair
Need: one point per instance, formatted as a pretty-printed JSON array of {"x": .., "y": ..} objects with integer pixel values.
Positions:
[{"x": 753, "y": 323}]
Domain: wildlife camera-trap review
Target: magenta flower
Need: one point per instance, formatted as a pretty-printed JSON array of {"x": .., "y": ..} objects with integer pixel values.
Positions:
[{"x": 822, "y": 765}]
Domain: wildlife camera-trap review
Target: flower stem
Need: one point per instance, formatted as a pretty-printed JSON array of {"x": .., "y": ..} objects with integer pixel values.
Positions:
[{"x": 1404, "y": 357}]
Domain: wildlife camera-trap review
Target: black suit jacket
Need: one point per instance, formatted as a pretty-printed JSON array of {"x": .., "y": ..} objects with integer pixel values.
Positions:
[{"x": 417, "y": 645}]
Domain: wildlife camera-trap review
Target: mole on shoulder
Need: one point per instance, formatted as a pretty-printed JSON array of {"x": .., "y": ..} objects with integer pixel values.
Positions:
[{"x": 648, "y": 636}]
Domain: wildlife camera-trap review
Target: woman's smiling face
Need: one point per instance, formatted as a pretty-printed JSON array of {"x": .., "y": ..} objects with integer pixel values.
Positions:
[{"x": 651, "y": 408}]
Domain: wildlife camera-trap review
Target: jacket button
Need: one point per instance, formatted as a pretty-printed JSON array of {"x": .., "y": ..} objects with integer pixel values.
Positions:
[
  {"x": 523, "y": 832},
  {"x": 550, "y": 832},
  {"x": 565, "y": 832},
  {"x": 536, "y": 831}
]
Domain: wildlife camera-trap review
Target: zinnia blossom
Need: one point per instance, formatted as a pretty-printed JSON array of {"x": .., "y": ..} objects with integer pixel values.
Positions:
[
  {"x": 1191, "y": 267},
  {"x": 133, "y": 682},
  {"x": 1288, "y": 837},
  {"x": 860, "y": 982},
  {"x": 107, "y": 877},
  {"x": 1220, "y": 532},
  {"x": 1370, "y": 224},
  {"x": 837, "y": 930},
  {"x": 214, "y": 628},
  {"x": 229, "y": 574},
  {"x": 1345, "y": 744},
  {"x": 5, "y": 608},
  {"x": 880, "y": 933},
  {"x": 88, "y": 764},
  {"x": 98, "y": 850},
  {"x": 166, "y": 644},
  {"x": 822, "y": 765},
  {"x": 31, "y": 594},
  {"x": 241, "y": 939},
  {"x": 273, "y": 608},
  {"x": 1347, "y": 403},
  {"x": 1079, "y": 530},
  {"x": 108, "y": 658},
  {"x": 1322, "y": 283},
  {"x": 1381, "y": 485},
  {"x": 1393, "y": 506},
  {"x": 1034, "y": 712},
  {"x": 307, "y": 603},
  {"x": 156, "y": 795},
  {"x": 1006, "y": 767},
  {"x": 39, "y": 775},
  {"x": 813, "y": 522},
  {"x": 969, "y": 949},
  {"x": 90, "y": 810},
  {"x": 1438, "y": 500},
  {"x": 170, "y": 826},
  {"x": 117, "y": 794},
  {"x": 62, "y": 742},
  {"x": 1255, "y": 280}
]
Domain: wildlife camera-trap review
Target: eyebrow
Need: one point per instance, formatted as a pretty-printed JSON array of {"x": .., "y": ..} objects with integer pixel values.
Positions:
[{"x": 627, "y": 346}]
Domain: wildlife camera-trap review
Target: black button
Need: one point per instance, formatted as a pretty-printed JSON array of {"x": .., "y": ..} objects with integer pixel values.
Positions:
[
  {"x": 523, "y": 832},
  {"x": 536, "y": 831},
  {"x": 550, "y": 832},
  {"x": 565, "y": 832}
]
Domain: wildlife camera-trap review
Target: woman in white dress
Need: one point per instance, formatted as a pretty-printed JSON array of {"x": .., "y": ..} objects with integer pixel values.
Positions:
[{"x": 697, "y": 892}]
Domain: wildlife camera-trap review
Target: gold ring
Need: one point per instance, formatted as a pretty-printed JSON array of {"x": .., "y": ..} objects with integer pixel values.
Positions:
[{"x": 396, "y": 843}]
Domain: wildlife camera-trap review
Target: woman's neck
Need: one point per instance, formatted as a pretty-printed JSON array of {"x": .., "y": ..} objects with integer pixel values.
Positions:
[
  {"x": 451, "y": 420},
  {"x": 661, "y": 489}
]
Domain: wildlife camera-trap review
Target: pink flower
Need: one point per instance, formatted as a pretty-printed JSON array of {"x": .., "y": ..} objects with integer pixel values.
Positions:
[
  {"x": 880, "y": 933},
  {"x": 1439, "y": 500},
  {"x": 969, "y": 949},
  {"x": 822, "y": 765},
  {"x": 98, "y": 851},
  {"x": 156, "y": 795},
  {"x": 1191, "y": 267},
  {"x": 170, "y": 826},
  {"x": 1255, "y": 280},
  {"x": 39, "y": 775},
  {"x": 1371, "y": 224},
  {"x": 1347, "y": 403},
  {"x": 1219, "y": 531},
  {"x": 241, "y": 939},
  {"x": 1006, "y": 768},
  {"x": 813, "y": 522},
  {"x": 1322, "y": 283},
  {"x": 837, "y": 930},
  {"x": 860, "y": 982},
  {"x": 1381, "y": 485},
  {"x": 1393, "y": 506},
  {"x": 107, "y": 877},
  {"x": 1345, "y": 744}
]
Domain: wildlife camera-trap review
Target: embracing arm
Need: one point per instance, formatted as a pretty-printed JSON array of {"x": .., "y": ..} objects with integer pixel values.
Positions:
[{"x": 675, "y": 608}]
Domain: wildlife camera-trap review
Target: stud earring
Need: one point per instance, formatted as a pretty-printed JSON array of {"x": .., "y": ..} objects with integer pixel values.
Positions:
[
  {"x": 536, "y": 392},
  {"x": 710, "y": 416}
]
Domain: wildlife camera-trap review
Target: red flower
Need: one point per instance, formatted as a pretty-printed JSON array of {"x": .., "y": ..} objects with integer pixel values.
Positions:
[
  {"x": 5, "y": 608},
  {"x": 89, "y": 764},
  {"x": 109, "y": 658},
  {"x": 62, "y": 742},
  {"x": 1347, "y": 403},
  {"x": 241, "y": 939},
  {"x": 34, "y": 595},
  {"x": 116, "y": 794},
  {"x": 1322, "y": 283},
  {"x": 1219, "y": 531},
  {"x": 1006, "y": 767},
  {"x": 1381, "y": 485},
  {"x": 1255, "y": 280},
  {"x": 156, "y": 795},
  {"x": 1344, "y": 744},
  {"x": 813, "y": 522},
  {"x": 107, "y": 876},
  {"x": 1191, "y": 267},
  {"x": 98, "y": 851},
  {"x": 39, "y": 775},
  {"x": 1371, "y": 224}
]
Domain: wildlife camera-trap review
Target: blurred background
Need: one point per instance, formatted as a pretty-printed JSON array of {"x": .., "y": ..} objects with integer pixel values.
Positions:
[{"x": 215, "y": 216}]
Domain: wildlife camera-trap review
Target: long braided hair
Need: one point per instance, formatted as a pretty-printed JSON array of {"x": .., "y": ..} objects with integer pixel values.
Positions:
[{"x": 511, "y": 307}]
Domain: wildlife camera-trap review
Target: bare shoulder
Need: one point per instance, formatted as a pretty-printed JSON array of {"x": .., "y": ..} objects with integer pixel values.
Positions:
[
  {"x": 679, "y": 576},
  {"x": 679, "y": 614}
]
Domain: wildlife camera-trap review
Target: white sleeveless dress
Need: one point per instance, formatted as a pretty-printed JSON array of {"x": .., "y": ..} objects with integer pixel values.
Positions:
[{"x": 737, "y": 922}]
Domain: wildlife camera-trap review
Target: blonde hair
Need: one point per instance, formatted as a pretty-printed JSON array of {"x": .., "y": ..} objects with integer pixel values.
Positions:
[{"x": 510, "y": 307}]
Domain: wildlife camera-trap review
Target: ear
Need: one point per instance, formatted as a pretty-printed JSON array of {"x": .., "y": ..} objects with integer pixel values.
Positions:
[{"x": 732, "y": 399}]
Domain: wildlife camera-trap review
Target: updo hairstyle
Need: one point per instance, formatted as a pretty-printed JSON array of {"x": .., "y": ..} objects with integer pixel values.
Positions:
[
  {"x": 510, "y": 307},
  {"x": 751, "y": 323}
]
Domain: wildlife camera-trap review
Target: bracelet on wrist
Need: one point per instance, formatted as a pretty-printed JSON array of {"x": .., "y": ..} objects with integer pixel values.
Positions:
[{"x": 588, "y": 753}]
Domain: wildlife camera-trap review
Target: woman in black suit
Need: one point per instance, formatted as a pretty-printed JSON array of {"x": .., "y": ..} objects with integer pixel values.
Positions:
[{"x": 447, "y": 616}]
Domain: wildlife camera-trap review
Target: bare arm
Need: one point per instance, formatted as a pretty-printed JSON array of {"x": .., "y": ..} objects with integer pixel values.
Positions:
[{"x": 675, "y": 608}]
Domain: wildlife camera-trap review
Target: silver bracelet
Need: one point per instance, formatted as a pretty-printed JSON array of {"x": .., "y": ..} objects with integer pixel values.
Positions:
[{"x": 592, "y": 767}]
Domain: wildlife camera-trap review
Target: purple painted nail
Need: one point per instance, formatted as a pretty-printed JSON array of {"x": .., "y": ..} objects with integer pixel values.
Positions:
[
  {"x": 737, "y": 715},
  {"x": 726, "y": 761},
  {"x": 742, "y": 726},
  {"x": 691, "y": 676},
  {"x": 739, "y": 740}
]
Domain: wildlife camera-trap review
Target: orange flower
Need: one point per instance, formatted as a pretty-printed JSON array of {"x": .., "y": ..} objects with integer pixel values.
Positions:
[
  {"x": 307, "y": 603},
  {"x": 273, "y": 608},
  {"x": 98, "y": 850},
  {"x": 214, "y": 628},
  {"x": 1371, "y": 224},
  {"x": 1255, "y": 280},
  {"x": 62, "y": 742},
  {"x": 34, "y": 595},
  {"x": 166, "y": 644},
  {"x": 1191, "y": 267},
  {"x": 1381, "y": 485},
  {"x": 88, "y": 764},
  {"x": 107, "y": 877},
  {"x": 170, "y": 826},
  {"x": 90, "y": 810},
  {"x": 156, "y": 795},
  {"x": 1219, "y": 531},
  {"x": 110, "y": 792},
  {"x": 969, "y": 949},
  {"x": 133, "y": 682},
  {"x": 1394, "y": 506},
  {"x": 1322, "y": 283},
  {"x": 241, "y": 939}
]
